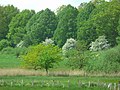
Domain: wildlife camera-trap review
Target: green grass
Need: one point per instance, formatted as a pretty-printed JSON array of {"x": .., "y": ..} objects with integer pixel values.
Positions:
[
  {"x": 63, "y": 80},
  {"x": 9, "y": 61}
]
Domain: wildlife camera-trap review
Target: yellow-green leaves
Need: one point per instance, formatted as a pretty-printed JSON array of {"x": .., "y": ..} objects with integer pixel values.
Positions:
[{"x": 42, "y": 56}]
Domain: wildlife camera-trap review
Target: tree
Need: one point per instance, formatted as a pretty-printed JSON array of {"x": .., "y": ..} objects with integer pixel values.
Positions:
[
  {"x": 105, "y": 20},
  {"x": 6, "y": 15},
  {"x": 100, "y": 44},
  {"x": 43, "y": 56},
  {"x": 118, "y": 30},
  {"x": 66, "y": 27},
  {"x": 17, "y": 26},
  {"x": 86, "y": 31},
  {"x": 40, "y": 26}
]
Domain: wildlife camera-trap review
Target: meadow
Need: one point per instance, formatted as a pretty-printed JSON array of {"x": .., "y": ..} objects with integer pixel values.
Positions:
[{"x": 12, "y": 74}]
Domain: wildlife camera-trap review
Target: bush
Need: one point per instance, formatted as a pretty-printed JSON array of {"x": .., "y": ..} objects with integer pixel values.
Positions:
[
  {"x": 7, "y": 50},
  {"x": 104, "y": 61},
  {"x": 100, "y": 44},
  {"x": 4, "y": 43},
  {"x": 15, "y": 51}
]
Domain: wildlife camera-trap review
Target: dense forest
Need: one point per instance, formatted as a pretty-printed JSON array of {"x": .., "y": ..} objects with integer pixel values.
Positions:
[{"x": 87, "y": 36}]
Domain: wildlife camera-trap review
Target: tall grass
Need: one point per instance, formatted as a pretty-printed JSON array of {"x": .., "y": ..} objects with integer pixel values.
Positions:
[{"x": 9, "y": 61}]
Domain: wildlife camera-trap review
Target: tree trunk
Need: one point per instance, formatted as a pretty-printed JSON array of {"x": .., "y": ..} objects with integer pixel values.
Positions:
[{"x": 46, "y": 71}]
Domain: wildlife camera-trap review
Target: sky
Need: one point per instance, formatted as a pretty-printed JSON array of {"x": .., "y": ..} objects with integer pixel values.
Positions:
[{"x": 38, "y": 5}]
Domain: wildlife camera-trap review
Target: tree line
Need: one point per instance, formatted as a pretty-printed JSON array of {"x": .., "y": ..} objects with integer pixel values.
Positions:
[{"x": 85, "y": 23}]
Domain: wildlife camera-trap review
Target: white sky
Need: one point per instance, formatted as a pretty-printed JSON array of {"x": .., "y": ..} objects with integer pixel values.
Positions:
[{"x": 38, "y": 5}]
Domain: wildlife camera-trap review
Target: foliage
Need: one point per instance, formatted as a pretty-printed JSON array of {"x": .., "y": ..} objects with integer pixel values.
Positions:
[
  {"x": 118, "y": 30},
  {"x": 6, "y": 15},
  {"x": 104, "y": 61},
  {"x": 40, "y": 26},
  {"x": 100, "y": 44},
  {"x": 17, "y": 26},
  {"x": 4, "y": 43},
  {"x": 48, "y": 41},
  {"x": 66, "y": 27},
  {"x": 18, "y": 51},
  {"x": 70, "y": 44},
  {"x": 42, "y": 56},
  {"x": 105, "y": 20},
  {"x": 76, "y": 59},
  {"x": 86, "y": 31}
]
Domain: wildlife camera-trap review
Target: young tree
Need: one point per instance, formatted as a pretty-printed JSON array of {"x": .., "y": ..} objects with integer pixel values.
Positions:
[{"x": 43, "y": 56}]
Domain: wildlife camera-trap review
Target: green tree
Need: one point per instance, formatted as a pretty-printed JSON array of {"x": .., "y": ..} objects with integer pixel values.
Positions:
[
  {"x": 105, "y": 20},
  {"x": 17, "y": 26},
  {"x": 118, "y": 30},
  {"x": 6, "y": 15},
  {"x": 66, "y": 27},
  {"x": 86, "y": 31},
  {"x": 40, "y": 26},
  {"x": 43, "y": 56}
]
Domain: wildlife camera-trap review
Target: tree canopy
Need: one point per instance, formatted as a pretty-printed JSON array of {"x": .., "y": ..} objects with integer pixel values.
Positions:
[
  {"x": 66, "y": 26},
  {"x": 17, "y": 26}
]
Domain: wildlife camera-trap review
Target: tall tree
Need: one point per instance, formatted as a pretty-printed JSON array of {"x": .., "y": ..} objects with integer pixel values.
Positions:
[
  {"x": 85, "y": 31},
  {"x": 105, "y": 20},
  {"x": 6, "y": 15},
  {"x": 17, "y": 26},
  {"x": 40, "y": 26},
  {"x": 66, "y": 27}
]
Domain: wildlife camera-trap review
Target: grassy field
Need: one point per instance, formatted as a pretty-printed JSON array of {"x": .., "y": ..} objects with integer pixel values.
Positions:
[
  {"x": 73, "y": 82},
  {"x": 9, "y": 61}
]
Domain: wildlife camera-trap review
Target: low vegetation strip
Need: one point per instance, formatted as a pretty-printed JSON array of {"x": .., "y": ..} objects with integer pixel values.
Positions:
[
  {"x": 62, "y": 83},
  {"x": 18, "y": 71}
]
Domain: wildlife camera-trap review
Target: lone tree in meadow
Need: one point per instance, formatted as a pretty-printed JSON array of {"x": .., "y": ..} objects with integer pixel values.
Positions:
[{"x": 42, "y": 56}]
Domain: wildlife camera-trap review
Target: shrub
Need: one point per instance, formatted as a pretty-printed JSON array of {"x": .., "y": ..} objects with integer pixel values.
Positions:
[
  {"x": 4, "y": 43},
  {"x": 48, "y": 41},
  {"x": 7, "y": 50},
  {"x": 100, "y": 44},
  {"x": 104, "y": 61},
  {"x": 70, "y": 44}
]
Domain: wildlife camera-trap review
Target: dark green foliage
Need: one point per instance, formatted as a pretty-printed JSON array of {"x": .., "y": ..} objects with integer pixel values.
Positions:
[
  {"x": 6, "y": 15},
  {"x": 86, "y": 31},
  {"x": 17, "y": 26},
  {"x": 4, "y": 43},
  {"x": 66, "y": 27},
  {"x": 40, "y": 26},
  {"x": 105, "y": 20},
  {"x": 118, "y": 30}
]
